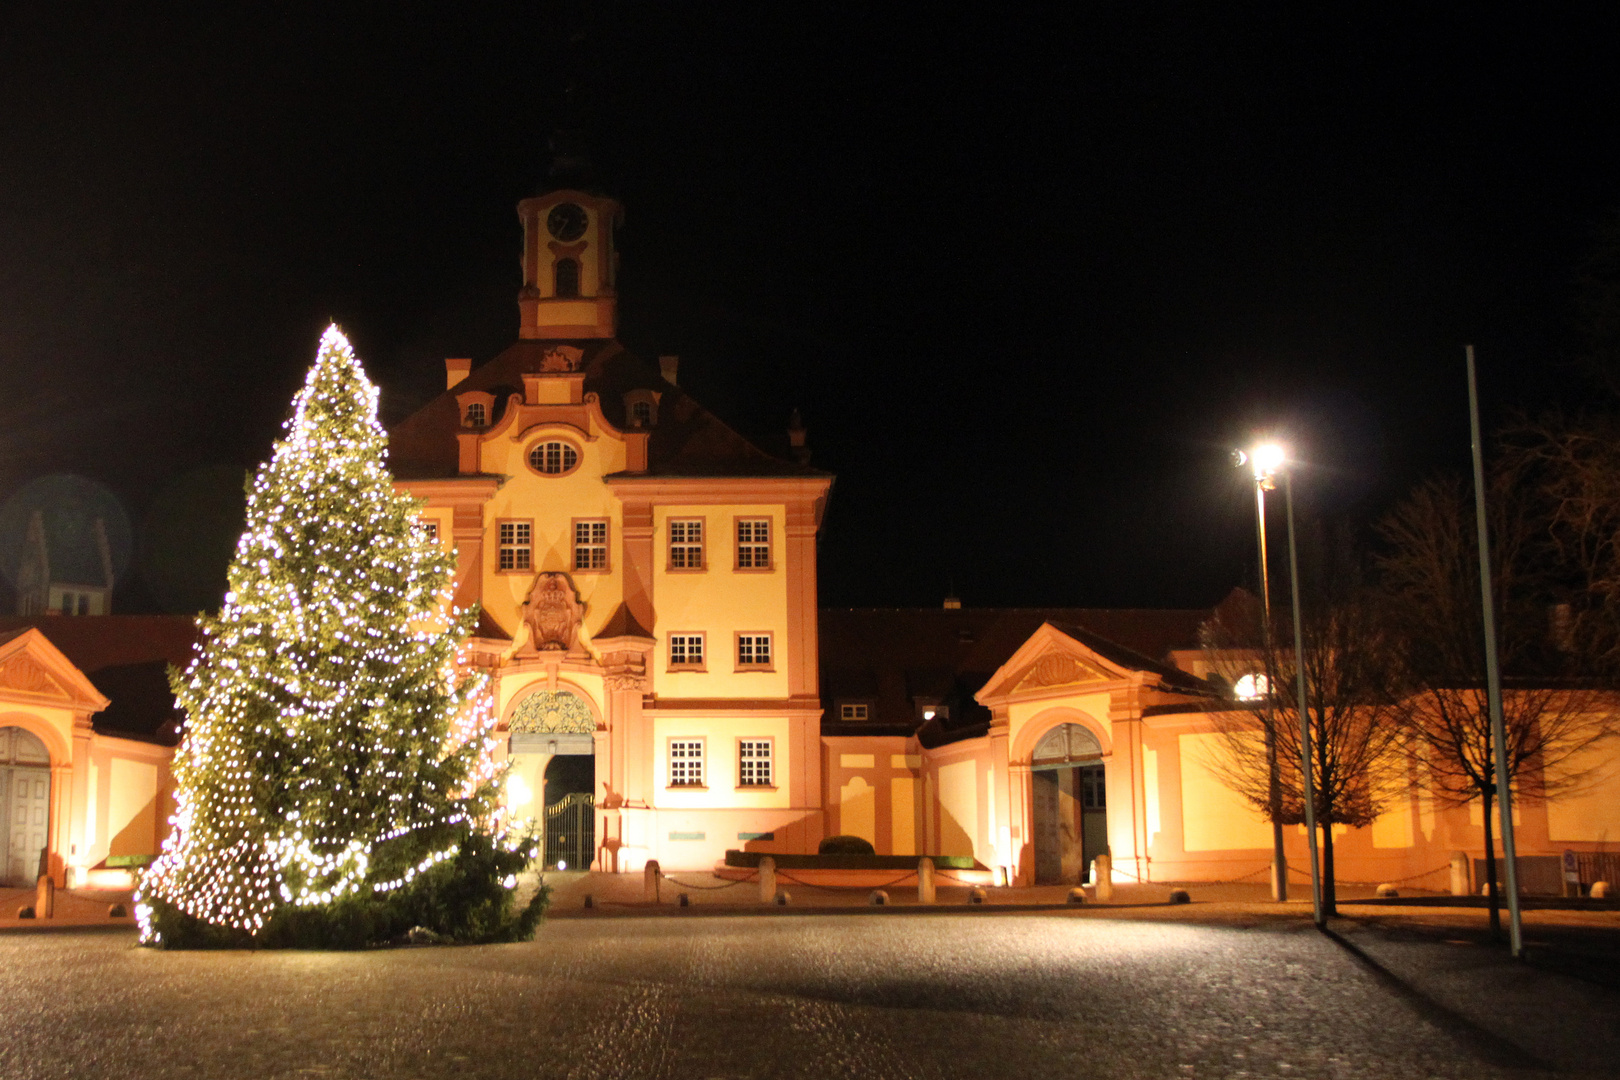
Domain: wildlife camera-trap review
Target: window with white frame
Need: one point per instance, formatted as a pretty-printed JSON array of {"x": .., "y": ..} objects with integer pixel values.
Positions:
[
  {"x": 686, "y": 544},
  {"x": 641, "y": 414},
  {"x": 686, "y": 763},
  {"x": 754, "y": 763},
  {"x": 686, "y": 650},
  {"x": 590, "y": 545},
  {"x": 753, "y": 650},
  {"x": 854, "y": 711},
  {"x": 553, "y": 458},
  {"x": 477, "y": 415},
  {"x": 516, "y": 545},
  {"x": 753, "y": 543},
  {"x": 431, "y": 527}
]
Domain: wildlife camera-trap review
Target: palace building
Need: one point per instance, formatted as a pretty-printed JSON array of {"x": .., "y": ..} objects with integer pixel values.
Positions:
[{"x": 668, "y": 688}]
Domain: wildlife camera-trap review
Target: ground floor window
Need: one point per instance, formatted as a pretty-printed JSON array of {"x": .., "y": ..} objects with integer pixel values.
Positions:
[
  {"x": 754, "y": 763},
  {"x": 686, "y": 763}
]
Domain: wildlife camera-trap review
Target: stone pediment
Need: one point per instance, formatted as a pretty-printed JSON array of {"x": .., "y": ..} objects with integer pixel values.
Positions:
[
  {"x": 1055, "y": 670},
  {"x": 31, "y": 666}
]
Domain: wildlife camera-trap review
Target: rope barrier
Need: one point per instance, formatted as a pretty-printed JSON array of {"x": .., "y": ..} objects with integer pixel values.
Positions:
[
  {"x": 847, "y": 888},
  {"x": 711, "y": 888}
]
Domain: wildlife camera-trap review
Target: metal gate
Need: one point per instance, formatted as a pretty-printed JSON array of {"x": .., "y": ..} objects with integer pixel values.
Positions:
[{"x": 571, "y": 832}]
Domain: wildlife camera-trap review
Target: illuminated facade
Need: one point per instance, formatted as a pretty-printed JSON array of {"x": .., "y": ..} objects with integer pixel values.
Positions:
[{"x": 647, "y": 576}]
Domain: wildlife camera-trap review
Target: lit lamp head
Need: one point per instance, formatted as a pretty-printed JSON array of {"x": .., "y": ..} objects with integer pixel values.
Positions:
[{"x": 1266, "y": 460}]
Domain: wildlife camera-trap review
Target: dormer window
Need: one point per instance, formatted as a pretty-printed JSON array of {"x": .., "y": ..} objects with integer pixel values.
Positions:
[
  {"x": 477, "y": 415},
  {"x": 477, "y": 409},
  {"x": 567, "y": 279},
  {"x": 641, "y": 408}
]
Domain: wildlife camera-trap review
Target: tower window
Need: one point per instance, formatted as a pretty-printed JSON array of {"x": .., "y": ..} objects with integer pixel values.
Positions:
[
  {"x": 553, "y": 458},
  {"x": 567, "y": 276}
]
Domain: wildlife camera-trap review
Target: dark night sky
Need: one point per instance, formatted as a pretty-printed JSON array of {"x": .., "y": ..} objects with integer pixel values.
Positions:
[{"x": 1028, "y": 280}]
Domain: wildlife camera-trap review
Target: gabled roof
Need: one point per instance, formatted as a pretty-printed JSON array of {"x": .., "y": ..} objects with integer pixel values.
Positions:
[
  {"x": 688, "y": 440},
  {"x": 890, "y": 657},
  {"x": 31, "y": 668},
  {"x": 126, "y": 658}
]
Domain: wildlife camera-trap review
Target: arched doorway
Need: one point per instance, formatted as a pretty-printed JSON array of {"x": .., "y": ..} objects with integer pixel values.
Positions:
[
  {"x": 1069, "y": 811},
  {"x": 555, "y": 732},
  {"x": 25, "y": 804}
]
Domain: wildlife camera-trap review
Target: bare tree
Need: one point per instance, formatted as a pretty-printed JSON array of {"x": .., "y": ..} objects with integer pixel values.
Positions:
[
  {"x": 1430, "y": 582},
  {"x": 1356, "y": 757}
]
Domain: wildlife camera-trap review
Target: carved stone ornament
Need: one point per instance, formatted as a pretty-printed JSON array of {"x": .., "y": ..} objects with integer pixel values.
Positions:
[
  {"x": 553, "y": 613},
  {"x": 1067, "y": 742},
  {"x": 24, "y": 674},
  {"x": 547, "y": 712},
  {"x": 561, "y": 359},
  {"x": 1056, "y": 669}
]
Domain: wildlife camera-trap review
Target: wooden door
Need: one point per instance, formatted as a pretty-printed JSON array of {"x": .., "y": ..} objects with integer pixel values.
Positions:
[{"x": 28, "y": 805}]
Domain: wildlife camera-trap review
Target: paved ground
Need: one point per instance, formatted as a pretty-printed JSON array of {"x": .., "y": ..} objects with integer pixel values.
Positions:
[{"x": 1097, "y": 993}]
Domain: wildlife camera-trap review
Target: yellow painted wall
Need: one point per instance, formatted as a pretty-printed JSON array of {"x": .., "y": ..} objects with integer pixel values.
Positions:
[
  {"x": 131, "y": 822},
  {"x": 720, "y": 602},
  {"x": 903, "y": 816},
  {"x": 720, "y": 761},
  {"x": 1591, "y": 815},
  {"x": 1213, "y": 817},
  {"x": 857, "y": 809},
  {"x": 958, "y": 808},
  {"x": 552, "y": 503}
]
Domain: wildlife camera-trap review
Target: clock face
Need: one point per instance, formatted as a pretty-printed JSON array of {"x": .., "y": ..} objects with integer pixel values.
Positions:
[{"x": 566, "y": 221}]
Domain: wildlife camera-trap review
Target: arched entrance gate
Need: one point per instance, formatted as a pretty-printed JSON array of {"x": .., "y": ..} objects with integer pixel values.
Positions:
[
  {"x": 25, "y": 804},
  {"x": 560, "y": 727},
  {"x": 1069, "y": 811}
]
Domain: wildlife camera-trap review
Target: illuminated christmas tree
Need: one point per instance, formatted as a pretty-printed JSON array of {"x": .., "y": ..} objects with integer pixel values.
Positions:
[{"x": 334, "y": 784}]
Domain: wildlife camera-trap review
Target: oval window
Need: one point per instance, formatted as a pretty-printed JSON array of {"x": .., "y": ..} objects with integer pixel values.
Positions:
[{"x": 553, "y": 458}]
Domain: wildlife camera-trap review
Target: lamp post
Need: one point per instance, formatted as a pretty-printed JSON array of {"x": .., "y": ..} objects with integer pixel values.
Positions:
[
  {"x": 1266, "y": 459},
  {"x": 1307, "y": 787}
]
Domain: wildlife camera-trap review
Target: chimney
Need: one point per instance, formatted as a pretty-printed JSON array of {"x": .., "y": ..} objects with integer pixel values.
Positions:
[
  {"x": 455, "y": 370},
  {"x": 667, "y": 367},
  {"x": 796, "y": 439}
]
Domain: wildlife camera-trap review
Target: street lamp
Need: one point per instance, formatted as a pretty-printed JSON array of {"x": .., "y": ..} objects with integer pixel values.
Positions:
[
  {"x": 1266, "y": 459},
  {"x": 1269, "y": 461}
]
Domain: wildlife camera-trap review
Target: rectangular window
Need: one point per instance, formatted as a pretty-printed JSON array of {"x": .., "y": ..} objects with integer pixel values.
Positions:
[
  {"x": 753, "y": 543},
  {"x": 590, "y": 545},
  {"x": 431, "y": 527},
  {"x": 853, "y": 712},
  {"x": 686, "y": 651},
  {"x": 753, "y": 651},
  {"x": 686, "y": 763},
  {"x": 686, "y": 544},
  {"x": 754, "y": 763},
  {"x": 516, "y": 544}
]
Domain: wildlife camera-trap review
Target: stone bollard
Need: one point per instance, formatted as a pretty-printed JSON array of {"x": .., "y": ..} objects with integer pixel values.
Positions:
[
  {"x": 45, "y": 897},
  {"x": 117, "y": 911},
  {"x": 1279, "y": 879},
  {"x": 1600, "y": 890},
  {"x": 925, "y": 880},
  {"x": 589, "y": 901},
  {"x": 879, "y": 898},
  {"x": 1102, "y": 872},
  {"x": 784, "y": 898},
  {"x": 649, "y": 881},
  {"x": 1459, "y": 873},
  {"x": 999, "y": 876},
  {"x": 976, "y": 895},
  {"x": 1387, "y": 890},
  {"x": 1180, "y": 896},
  {"x": 1077, "y": 895},
  {"x": 683, "y": 900},
  {"x": 767, "y": 879}
]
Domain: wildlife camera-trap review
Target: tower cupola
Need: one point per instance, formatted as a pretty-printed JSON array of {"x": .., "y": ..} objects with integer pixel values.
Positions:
[{"x": 569, "y": 265}]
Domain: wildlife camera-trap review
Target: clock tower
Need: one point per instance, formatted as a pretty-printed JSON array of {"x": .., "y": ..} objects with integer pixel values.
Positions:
[{"x": 569, "y": 265}]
